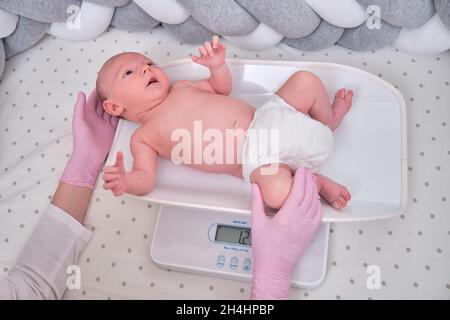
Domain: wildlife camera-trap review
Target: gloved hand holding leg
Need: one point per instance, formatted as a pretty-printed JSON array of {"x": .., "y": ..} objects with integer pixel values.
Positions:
[{"x": 278, "y": 242}]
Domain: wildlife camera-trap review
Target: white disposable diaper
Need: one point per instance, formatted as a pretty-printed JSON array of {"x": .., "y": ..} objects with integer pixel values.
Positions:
[{"x": 279, "y": 133}]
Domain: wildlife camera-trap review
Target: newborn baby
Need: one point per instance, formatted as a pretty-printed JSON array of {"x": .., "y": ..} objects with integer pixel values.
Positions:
[{"x": 131, "y": 86}]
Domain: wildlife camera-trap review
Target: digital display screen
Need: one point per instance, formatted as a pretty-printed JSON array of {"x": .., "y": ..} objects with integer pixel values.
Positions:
[{"x": 233, "y": 235}]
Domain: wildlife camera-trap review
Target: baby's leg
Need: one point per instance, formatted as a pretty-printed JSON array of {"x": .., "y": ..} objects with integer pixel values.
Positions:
[
  {"x": 306, "y": 93},
  {"x": 275, "y": 188}
]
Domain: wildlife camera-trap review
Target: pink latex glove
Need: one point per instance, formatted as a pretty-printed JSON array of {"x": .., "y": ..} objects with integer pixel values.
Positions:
[
  {"x": 278, "y": 242},
  {"x": 93, "y": 132}
]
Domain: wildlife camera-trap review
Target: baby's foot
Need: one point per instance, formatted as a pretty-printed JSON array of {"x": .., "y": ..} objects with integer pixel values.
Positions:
[
  {"x": 334, "y": 193},
  {"x": 341, "y": 105}
]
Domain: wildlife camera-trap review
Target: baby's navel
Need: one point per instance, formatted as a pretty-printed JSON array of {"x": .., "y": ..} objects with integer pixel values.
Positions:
[{"x": 235, "y": 123}]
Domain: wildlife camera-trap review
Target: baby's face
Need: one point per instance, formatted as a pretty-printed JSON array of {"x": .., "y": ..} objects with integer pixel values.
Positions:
[{"x": 133, "y": 82}]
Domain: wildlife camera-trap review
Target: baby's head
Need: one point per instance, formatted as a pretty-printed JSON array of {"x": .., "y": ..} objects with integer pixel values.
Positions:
[{"x": 129, "y": 84}]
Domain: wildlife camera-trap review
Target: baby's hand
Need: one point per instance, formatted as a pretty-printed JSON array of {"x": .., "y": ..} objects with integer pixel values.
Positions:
[
  {"x": 212, "y": 54},
  {"x": 115, "y": 176}
]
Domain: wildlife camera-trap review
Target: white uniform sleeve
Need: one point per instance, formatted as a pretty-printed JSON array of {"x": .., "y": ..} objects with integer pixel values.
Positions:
[{"x": 40, "y": 270}]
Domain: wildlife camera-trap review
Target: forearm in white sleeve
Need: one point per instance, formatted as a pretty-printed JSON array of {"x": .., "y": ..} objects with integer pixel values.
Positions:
[{"x": 40, "y": 270}]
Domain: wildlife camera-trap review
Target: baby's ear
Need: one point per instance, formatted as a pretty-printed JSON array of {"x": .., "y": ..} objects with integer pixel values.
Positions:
[{"x": 112, "y": 108}]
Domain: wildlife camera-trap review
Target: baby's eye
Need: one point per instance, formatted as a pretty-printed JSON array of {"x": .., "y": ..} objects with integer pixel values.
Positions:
[
  {"x": 128, "y": 72},
  {"x": 150, "y": 64}
]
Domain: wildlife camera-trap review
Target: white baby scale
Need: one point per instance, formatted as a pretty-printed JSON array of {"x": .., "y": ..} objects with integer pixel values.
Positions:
[{"x": 204, "y": 219}]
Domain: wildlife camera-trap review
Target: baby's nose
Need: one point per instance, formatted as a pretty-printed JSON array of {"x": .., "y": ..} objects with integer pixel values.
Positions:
[{"x": 145, "y": 68}]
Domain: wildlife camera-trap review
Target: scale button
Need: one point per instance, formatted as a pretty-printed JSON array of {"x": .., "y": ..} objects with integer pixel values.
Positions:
[
  {"x": 247, "y": 266},
  {"x": 220, "y": 261},
  {"x": 233, "y": 263}
]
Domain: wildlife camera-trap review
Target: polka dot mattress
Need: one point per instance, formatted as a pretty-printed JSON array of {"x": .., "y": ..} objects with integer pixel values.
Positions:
[{"x": 37, "y": 95}]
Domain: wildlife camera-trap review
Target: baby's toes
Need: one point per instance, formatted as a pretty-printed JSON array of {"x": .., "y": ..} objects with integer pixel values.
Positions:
[
  {"x": 340, "y": 94},
  {"x": 335, "y": 205},
  {"x": 345, "y": 193},
  {"x": 339, "y": 203},
  {"x": 342, "y": 202},
  {"x": 349, "y": 96}
]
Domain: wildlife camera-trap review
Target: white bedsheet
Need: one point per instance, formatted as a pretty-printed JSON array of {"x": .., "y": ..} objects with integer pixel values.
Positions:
[{"x": 37, "y": 94}]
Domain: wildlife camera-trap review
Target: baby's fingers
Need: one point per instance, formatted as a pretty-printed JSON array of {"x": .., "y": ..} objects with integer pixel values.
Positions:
[
  {"x": 109, "y": 185},
  {"x": 119, "y": 160},
  {"x": 115, "y": 188},
  {"x": 111, "y": 169},
  {"x": 203, "y": 51},
  {"x": 222, "y": 46},
  {"x": 108, "y": 177},
  {"x": 196, "y": 59},
  {"x": 215, "y": 42},
  {"x": 208, "y": 48},
  {"x": 118, "y": 191}
]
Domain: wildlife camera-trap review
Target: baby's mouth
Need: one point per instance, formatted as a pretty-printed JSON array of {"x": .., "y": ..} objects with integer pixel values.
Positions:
[{"x": 151, "y": 80}]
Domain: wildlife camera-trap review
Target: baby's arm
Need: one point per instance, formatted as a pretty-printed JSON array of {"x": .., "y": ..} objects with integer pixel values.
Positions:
[
  {"x": 142, "y": 177},
  {"x": 213, "y": 57}
]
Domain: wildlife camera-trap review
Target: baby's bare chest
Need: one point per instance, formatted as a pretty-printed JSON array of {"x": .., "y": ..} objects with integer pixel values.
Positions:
[
  {"x": 195, "y": 112},
  {"x": 196, "y": 105}
]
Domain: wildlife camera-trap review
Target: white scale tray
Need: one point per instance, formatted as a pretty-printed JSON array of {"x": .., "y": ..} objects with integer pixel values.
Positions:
[{"x": 369, "y": 155}]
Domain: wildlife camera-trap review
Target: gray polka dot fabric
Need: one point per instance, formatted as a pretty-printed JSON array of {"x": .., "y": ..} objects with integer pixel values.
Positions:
[{"x": 37, "y": 96}]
